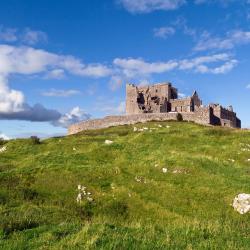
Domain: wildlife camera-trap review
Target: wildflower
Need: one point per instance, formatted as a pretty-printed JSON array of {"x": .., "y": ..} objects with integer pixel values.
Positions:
[
  {"x": 74, "y": 149},
  {"x": 164, "y": 170},
  {"x": 156, "y": 165},
  {"x": 145, "y": 128},
  {"x": 232, "y": 160},
  {"x": 108, "y": 142},
  {"x": 135, "y": 129},
  {"x": 167, "y": 126},
  {"x": 248, "y": 159},
  {"x": 160, "y": 126},
  {"x": 241, "y": 203}
]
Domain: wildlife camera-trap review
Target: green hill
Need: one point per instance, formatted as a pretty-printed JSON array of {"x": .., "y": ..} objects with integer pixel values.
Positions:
[{"x": 135, "y": 204}]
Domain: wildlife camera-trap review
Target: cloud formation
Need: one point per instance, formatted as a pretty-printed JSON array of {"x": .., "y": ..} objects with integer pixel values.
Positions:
[
  {"x": 32, "y": 37},
  {"x": 8, "y": 34},
  {"x": 26, "y": 36},
  {"x": 231, "y": 39},
  {"x": 29, "y": 61},
  {"x": 164, "y": 32},
  {"x": 61, "y": 92},
  {"x": 74, "y": 116},
  {"x": 146, "y": 6},
  {"x": 214, "y": 64}
]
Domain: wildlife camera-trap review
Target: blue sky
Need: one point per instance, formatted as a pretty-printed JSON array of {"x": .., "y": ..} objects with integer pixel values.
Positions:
[{"x": 65, "y": 61}]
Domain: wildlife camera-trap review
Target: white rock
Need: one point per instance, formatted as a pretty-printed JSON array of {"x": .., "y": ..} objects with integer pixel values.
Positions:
[
  {"x": 108, "y": 142},
  {"x": 79, "y": 198},
  {"x": 2, "y": 149},
  {"x": 241, "y": 203},
  {"x": 89, "y": 199},
  {"x": 164, "y": 170}
]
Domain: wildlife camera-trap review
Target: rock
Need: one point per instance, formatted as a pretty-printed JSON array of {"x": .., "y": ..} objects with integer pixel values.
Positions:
[
  {"x": 241, "y": 203},
  {"x": 164, "y": 170},
  {"x": 108, "y": 142},
  {"x": 3, "y": 149}
]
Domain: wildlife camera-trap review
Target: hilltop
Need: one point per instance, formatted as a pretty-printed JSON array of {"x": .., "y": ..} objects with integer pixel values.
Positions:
[{"x": 171, "y": 188}]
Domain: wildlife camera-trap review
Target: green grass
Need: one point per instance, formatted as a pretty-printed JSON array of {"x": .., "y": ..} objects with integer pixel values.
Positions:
[{"x": 187, "y": 210}]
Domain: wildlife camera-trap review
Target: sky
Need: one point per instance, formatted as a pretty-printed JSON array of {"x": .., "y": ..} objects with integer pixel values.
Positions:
[{"x": 66, "y": 61}]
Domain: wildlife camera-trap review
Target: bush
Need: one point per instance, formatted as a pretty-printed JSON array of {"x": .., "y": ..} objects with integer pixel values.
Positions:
[
  {"x": 2, "y": 141},
  {"x": 35, "y": 140},
  {"x": 179, "y": 117}
]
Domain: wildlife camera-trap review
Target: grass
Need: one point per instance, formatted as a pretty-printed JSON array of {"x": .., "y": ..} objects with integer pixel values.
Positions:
[{"x": 186, "y": 210}]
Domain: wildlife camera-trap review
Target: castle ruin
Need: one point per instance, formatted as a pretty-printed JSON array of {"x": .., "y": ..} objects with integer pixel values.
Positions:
[
  {"x": 160, "y": 102},
  {"x": 163, "y": 98}
]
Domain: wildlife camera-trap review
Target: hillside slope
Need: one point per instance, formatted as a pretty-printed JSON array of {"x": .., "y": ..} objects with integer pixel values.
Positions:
[{"x": 135, "y": 204}]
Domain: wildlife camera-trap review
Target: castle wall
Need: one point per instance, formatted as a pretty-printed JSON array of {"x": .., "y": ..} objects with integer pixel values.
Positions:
[
  {"x": 131, "y": 100},
  {"x": 224, "y": 117},
  {"x": 202, "y": 117},
  {"x": 181, "y": 105}
]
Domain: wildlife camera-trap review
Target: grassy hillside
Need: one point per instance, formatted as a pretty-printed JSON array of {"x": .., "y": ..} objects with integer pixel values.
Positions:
[{"x": 136, "y": 205}]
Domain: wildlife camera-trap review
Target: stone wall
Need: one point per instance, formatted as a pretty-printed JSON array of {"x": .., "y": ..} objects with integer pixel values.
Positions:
[{"x": 202, "y": 117}]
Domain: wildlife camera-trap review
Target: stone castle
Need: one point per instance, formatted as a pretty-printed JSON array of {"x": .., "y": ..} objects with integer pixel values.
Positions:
[{"x": 160, "y": 102}]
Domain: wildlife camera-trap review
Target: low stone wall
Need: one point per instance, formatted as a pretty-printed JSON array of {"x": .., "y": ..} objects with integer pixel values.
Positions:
[{"x": 109, "y": 121}]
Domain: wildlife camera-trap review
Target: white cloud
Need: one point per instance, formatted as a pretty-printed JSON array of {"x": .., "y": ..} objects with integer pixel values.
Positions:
[
  {"x": 146, "y": 6},
  {"x": 8, "y": 34},
  {"x": 55, "y": 74},
  {"x": 232, "y": 39},
  {"x": 138, "y": 67},
  {"x": 181, "y": 95},
  {"x": 61, "y": 92},
  {"x": 5, "y": 137},
  {"x": 214, "y": 64},
  {"x": 29, "y": 61},
  {"x": 248, "y": 86},
  {"x": 164, "y": 32},
  {"x": 74, "y": 116},
  {"x": 32, "y": 37}
]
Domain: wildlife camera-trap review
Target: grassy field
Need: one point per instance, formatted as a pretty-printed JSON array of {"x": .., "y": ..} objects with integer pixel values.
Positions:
[{"x": 136, "y": 205}]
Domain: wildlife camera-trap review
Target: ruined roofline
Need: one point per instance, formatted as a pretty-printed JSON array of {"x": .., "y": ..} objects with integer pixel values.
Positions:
[
  {"x": 150, "y": 85},
  {"x": 217, "y": 105}
]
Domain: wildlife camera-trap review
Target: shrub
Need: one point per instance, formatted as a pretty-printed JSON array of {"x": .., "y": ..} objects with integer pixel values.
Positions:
[
  {"x": 2, "y": 141},
  {"x": 35, "y": 140},
  {"x": 179, "y": 117}
]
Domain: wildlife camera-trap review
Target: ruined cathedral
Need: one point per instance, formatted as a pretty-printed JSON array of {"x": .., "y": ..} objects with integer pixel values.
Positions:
[
  {"x": 160, "y": 102},
  {"x": 163, "y": 98}
]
